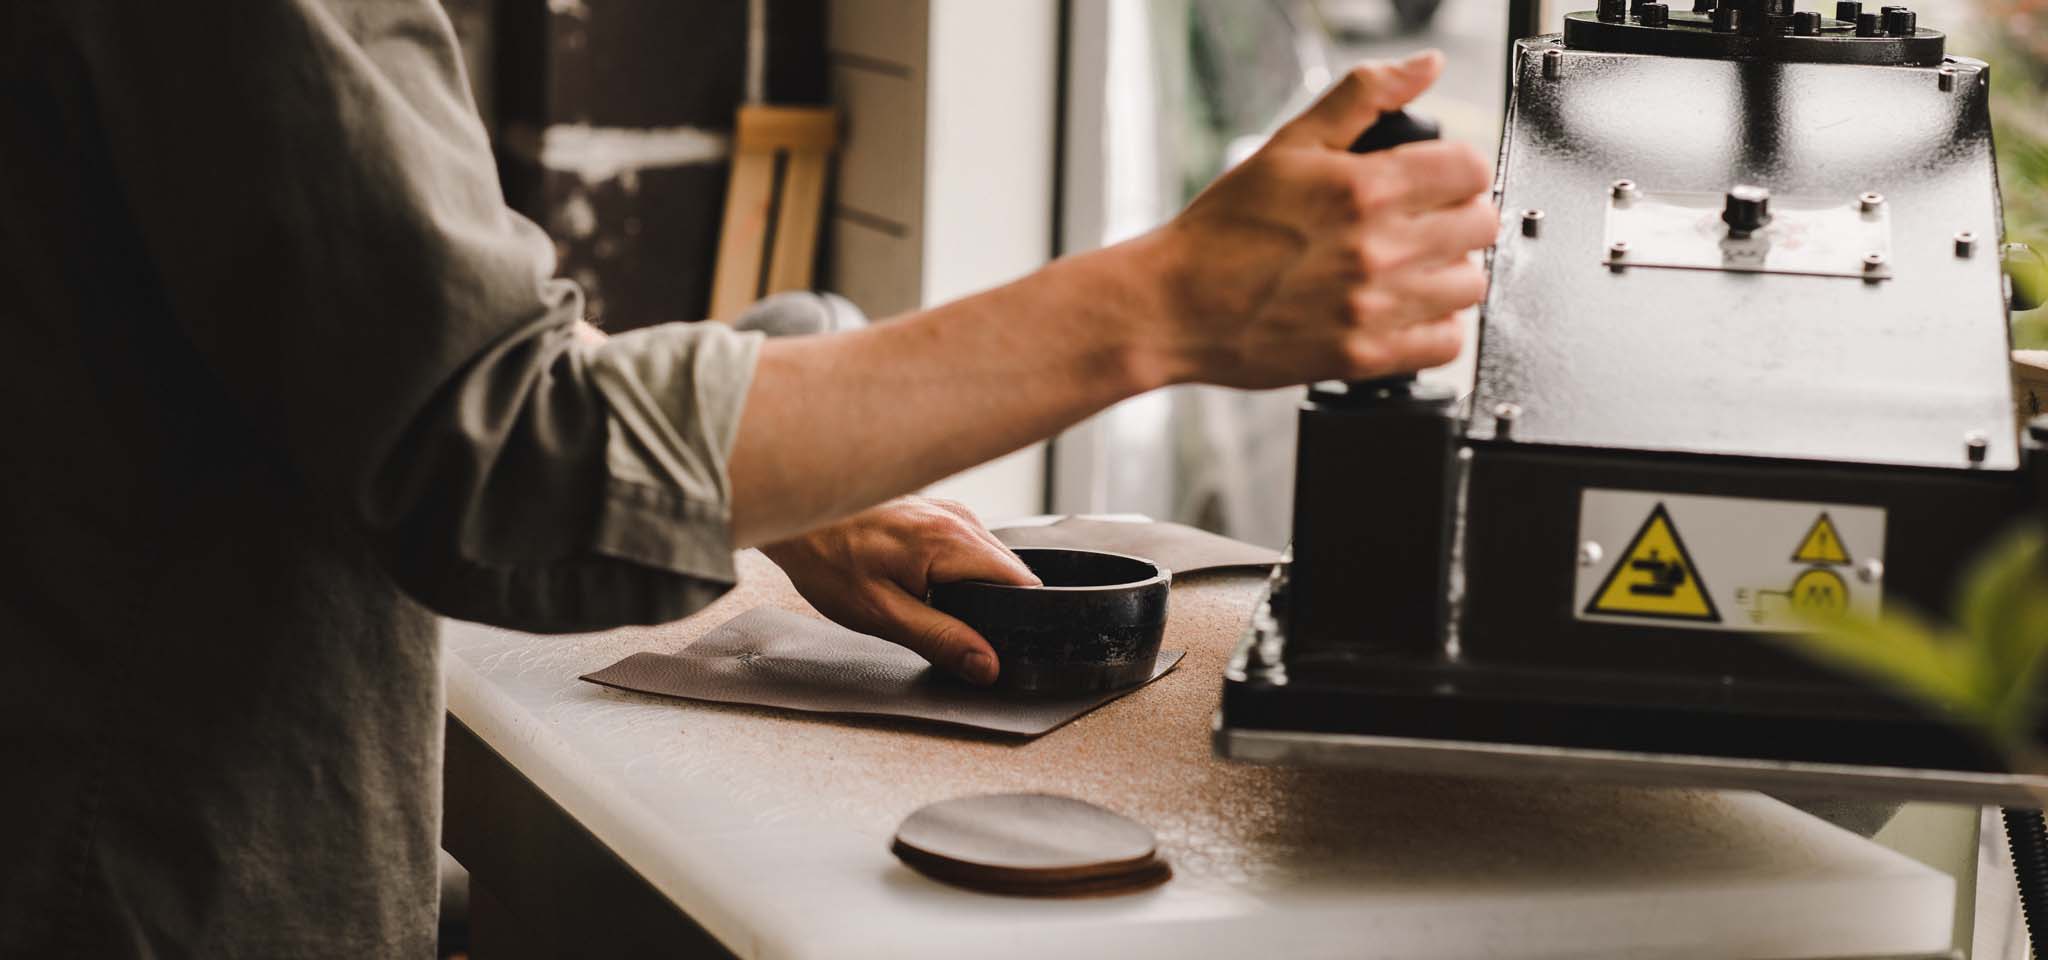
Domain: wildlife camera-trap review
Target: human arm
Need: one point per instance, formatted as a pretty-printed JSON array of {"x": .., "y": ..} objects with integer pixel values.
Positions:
[
  {"x": 305, "y": 197},
  {"x": 1304, "y": 263}
]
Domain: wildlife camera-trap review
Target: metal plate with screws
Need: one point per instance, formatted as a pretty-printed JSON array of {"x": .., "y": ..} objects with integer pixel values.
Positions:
[{"x": 1806, "y": 237}]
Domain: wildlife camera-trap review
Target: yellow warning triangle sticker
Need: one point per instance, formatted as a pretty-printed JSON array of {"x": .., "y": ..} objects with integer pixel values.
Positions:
[
  {"x": 1655, "y": 577},
  {"x": 1822, "y": 544}
]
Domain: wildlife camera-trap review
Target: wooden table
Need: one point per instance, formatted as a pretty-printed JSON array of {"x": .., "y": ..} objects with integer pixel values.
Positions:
[{"x": 612, "y": 823}]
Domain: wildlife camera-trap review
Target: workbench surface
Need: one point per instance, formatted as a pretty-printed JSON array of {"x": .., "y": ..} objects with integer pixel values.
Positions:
[{"x": 772, "y": 829}]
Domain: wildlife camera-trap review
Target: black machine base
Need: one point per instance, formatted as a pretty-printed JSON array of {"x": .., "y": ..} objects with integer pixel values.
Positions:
[{"x": 1465, "y": 719}]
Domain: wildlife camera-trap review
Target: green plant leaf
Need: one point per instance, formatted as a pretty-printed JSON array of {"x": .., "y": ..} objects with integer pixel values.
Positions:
[
  {"x": 1902, "y": 651},
  {"x": 1987, "y": 671},
  {"x": 2003, "y": 608}
]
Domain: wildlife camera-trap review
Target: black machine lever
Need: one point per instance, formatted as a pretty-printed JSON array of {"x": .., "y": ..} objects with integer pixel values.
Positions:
[{"x": 1392, "y": 129}]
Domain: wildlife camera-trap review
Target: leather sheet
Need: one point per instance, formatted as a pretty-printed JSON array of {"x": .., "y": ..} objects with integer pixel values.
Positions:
[
  {"x": 773, "y": 658},
  {"x": 1181, "y": 549}
]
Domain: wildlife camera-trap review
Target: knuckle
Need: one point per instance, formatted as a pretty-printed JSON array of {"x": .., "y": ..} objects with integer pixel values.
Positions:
[
  {"x": 1361, "y": 78},
  {"x": 1363, "y": 357},
  {"x": 1378, "y": 258},
  {"x": 1368, "y": 308},
  {"x": 1470, "y": 283},
  {"x": 936, "y": 638},
  {"x": 1365, "y": 191}
]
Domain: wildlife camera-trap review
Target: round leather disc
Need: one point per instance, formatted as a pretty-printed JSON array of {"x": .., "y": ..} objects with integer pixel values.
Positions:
[{"x": 1030, "y": 843}]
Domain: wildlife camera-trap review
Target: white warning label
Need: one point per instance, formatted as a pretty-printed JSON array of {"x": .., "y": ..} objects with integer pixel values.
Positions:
[{"x": 1724, "y": 563}]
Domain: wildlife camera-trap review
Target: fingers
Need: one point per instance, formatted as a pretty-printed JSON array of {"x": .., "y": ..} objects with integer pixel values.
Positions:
[
  {"x": 983, "y": 557},
  {"x": 1430, "y": 293},
  {"x": 1357, "y": 101},
  {"x": 942, "y": 640},
  {"x": 1446, "y": 234},
  {"x": 1417, "y": 347},
  {"x": 972, "y": 558},
  {"x": 1417, "y": 177}
]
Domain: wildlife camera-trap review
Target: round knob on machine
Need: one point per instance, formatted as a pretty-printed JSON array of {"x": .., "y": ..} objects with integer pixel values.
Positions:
[
  {"x": 1654, "y": 15},
  {"x": 1848, "y": 10},
  {"x": 1724, "y": 19},
  {"x": 1613, "y": 11},
  {"x": 1900, "y": 22},
  {"x": 1869, "y": 25},
  {"x": 1806, "y": 23},
  {"x": 1747, "y": 210}
]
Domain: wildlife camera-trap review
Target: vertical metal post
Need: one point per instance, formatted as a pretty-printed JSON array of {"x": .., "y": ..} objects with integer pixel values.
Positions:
[{"x": 1525, "y": 19}]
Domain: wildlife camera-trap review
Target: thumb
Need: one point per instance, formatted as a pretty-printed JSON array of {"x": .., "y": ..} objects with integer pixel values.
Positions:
[
  {"x": 1357, "y": 101},
  {"x": 942, "y": 640}
]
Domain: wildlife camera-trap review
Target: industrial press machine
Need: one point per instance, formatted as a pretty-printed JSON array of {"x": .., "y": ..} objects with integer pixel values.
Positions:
[{"x": 1745, "y": 354}]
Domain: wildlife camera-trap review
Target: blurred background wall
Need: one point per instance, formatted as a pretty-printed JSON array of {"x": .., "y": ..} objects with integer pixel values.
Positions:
[{"x": 612, "y": 120}]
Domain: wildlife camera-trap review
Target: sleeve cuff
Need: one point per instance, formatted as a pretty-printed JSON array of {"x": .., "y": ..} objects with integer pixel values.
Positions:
[{"x": 676, "y": 393}]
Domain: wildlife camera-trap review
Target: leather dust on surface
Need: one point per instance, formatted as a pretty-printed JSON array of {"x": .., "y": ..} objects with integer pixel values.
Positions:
[{"x": 1148, "y": 757}]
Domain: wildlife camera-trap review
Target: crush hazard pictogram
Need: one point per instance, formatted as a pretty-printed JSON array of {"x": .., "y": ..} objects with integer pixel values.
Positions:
[
  {"x": 1655, "y": 577},
  {"x": 1822, "y": 544}
]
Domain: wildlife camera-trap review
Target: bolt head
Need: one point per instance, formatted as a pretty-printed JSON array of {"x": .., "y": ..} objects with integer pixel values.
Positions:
[
  {"x": 1508, "y": 412},
  {"x": 1976, "y": 444},
  {"x": 1871, "y": 202},
  {"x": 1624, "y": 189},
  {"x": 1746, "y": 209},
  {"x": 1532, "y": 222},
  {"x": 1618, "y": 250},
  {"x": 1870, "y": 571},
  {"x": 1590, "y": 554},
  {"x": 1966, "y": 244}
]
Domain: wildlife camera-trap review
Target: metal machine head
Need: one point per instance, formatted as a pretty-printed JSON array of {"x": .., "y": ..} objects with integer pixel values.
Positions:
[{"x": 1745, "y": 351}]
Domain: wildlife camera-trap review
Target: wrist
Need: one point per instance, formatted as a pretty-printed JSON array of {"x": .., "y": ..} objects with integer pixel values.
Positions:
[{"x": 1140, "y": 297}]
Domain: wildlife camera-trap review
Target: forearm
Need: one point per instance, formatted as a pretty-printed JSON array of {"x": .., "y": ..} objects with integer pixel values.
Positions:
[
  {"x": 1303, "y": 263},
  {"x": 838, "y": 423}
]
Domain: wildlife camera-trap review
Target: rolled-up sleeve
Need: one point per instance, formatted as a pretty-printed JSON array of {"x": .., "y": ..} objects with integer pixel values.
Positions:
[{"x": 319, "y": 199}]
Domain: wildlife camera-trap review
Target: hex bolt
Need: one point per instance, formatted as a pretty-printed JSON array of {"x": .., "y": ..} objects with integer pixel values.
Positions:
[
  {"x": 1946, "y": 76},
  {"x": 1590, "y": 554},
  {"x": 1870, "y": 571},
  {"x": 1870, "y": 202},
  {"x": 1553, "y": 64},
  {"x": 1966, "y": 245},
  {"x": 1532, "y": 222},
  {"x": 1504, "y": 417},
  {"x": 1975, "y": 445}
]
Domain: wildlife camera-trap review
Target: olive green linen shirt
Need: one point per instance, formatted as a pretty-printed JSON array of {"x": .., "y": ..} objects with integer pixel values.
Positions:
[{"x": 281, "y": 378}]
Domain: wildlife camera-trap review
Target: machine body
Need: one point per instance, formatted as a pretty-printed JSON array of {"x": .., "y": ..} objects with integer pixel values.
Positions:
[{"x": 1744, "y": 357}]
